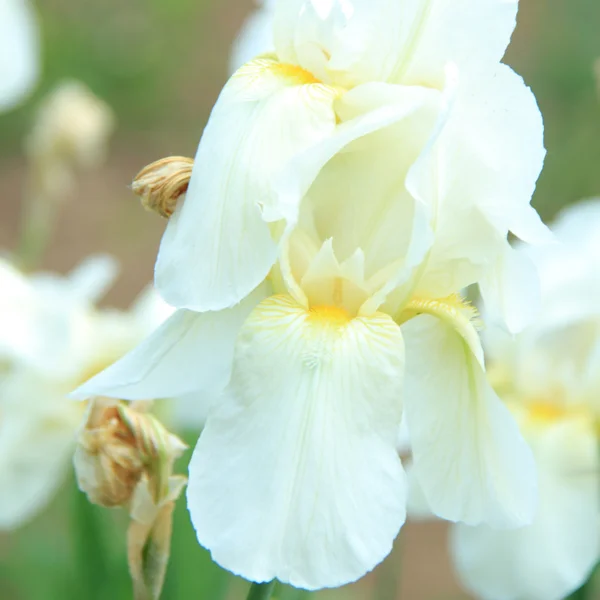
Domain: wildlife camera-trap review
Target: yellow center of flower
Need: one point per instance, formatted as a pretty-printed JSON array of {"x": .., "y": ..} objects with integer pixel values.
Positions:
[
  {"x": 294, "y": 73},
  {"x": 333, "y": 314},
  {"x": 547, "y": 412}
]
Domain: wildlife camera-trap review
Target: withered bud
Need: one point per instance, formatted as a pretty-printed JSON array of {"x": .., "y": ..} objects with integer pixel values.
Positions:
[
  {"x": 121, "y": 450},
  {"x": 160, "y": 184}
]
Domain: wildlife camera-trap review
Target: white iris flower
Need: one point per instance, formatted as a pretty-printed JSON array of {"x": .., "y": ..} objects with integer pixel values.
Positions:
[
  {"x": 345, "y": 190},
  {"x": 19, "y": 52},
  {"x": 550, "y": 376},
  {"x": 52, "y": 338}
]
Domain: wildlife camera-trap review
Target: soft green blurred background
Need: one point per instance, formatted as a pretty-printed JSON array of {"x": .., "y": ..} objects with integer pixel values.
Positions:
[{"x": 160, "y": 65}]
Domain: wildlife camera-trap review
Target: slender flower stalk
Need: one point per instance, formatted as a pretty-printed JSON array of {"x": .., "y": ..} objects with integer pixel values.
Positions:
[
  {"x": 70, "y": 133},
  {"x": 261, "y": 591}
]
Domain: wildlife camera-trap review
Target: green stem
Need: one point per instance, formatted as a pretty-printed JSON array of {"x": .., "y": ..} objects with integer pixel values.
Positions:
[
  {"x": 581, "y": 593},
  {"x": 39, "y": 219},
  {"x": 261, "y": 591},
  {"x": 90, "y": 555}
]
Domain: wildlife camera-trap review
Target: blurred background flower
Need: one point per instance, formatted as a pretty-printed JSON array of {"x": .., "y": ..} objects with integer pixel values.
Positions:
[
  {"x": 159, "y": 65},
  {"x": 19, "y": 52}
]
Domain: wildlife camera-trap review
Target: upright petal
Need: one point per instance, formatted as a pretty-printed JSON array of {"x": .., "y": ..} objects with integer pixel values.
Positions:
[
  {"x": 556, "y": 554},
  {"x": 190, "y": 352},
  {"x": 355, "y": 163},
  {"x": 342, "y": 41},
  {"x": 217, "y": 247},
  {"x": 296, "y": 475},
  {"x": 477, "y": 177},
  {"x": 401, "y": 41},
  {"x": 469, "y": 457},
  {"x": 255, "y": 37},
  {"x": 19, "y": 52},
  {"x": 473, "y": 34}
]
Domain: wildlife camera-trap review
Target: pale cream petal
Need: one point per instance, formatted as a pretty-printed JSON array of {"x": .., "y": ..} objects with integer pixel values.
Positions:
[
  {"x": 555, "y": 555},
  {"x": 348, "y": 42},
  {"x": 359, "y": 198},
  {"x": 493, "y": 127},
  {"x": 365, "y": 110},
  {"x": 191, "y": 352},
  {"x": 255, "y": 37},
  {"x": 296, "y": 475},
  {"x": 218, "y": 246},
  {"x": 355, "y": 41},
  {"x": 469, "y": 456},
  {"x": 473, "y": 34}
]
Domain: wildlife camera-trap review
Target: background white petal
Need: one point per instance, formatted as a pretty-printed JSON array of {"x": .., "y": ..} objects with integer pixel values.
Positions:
[
  {"x": 37, "y": 437},
  {"x": 469, "y": 457},
  {"x": 217, "y": 246},
  {"x": 556, "y": 554},
  {"x": 568, "y": 269},
  {"x": 19, "y": 52},
  {"x": 296, "y": 475}
]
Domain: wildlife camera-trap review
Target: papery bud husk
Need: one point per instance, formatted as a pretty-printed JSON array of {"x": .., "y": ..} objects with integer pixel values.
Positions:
[
  {"x": 107, "y": 463},
  {"x": 162, "y": 183},
  {"x": 119, "y": 447},
  {"x": 125, "y": 457}
]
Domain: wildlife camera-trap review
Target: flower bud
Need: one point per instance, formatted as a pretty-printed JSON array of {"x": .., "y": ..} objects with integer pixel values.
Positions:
[
  {"x": 121, "y": 449},
  {"x": 72, "y": 127},
  {"x": 160, "y": 184}
]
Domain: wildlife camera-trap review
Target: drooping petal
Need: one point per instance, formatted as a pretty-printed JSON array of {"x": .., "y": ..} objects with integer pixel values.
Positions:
[
  {"x": 556, "y": 554},
  {"x": 19, "y": 52},
  {"x": 356, "y": 41},
  {"x": 217, "y": 246},
  {"x": 190, "y": 352},
  {"x": 469, "y": 456},
  {"x": 296, "y": 475}
]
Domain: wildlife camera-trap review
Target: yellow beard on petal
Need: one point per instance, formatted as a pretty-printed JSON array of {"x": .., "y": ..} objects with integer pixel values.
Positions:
[
  {"x": 334, "y": 314},
  {"x": 294, "y": 73}
]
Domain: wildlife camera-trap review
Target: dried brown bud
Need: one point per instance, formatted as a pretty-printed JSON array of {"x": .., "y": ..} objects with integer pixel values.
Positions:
[
  {"x": 160, "y": 184},
  {"x": 125, "y": 457},
  {"x": 121, "y": 449}
]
